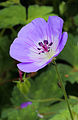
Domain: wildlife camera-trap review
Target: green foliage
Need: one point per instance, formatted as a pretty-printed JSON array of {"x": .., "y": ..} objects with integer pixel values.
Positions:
[
  {"x": 17, "y": 97},
  {"x": 39, "y": 11},
  {"x": 70, "y": 73},
  {"x": 42, "y": 89},
  {"x": 64, "y": 114},
  {"x": 20, "y": 114},
  {"x": 14, "y": 15},
  {"x": 15, "y": 112},
  {"x": 9, "y": 2},
  {"x": 67, "y": 53},
  {"x": 4, "y": 56},
  {"x": 46, "y": 79},
  {"x": 24, "y": 86},
  {"x": 62, "y": 8},
  {"x": 76, "y": 19}
]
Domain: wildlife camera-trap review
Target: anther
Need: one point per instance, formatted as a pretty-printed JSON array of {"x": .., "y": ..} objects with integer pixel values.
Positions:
[
  {"x": 39, "y": 48},
  {"x": 40, "y": 44},
  {"x": 50, "y": 44},
  {"x": 42, "y": 51},
  {"x": 45, "y": 41}
]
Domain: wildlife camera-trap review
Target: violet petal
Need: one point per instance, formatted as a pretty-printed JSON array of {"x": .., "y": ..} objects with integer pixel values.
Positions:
[{"x": 25, "y": 104}]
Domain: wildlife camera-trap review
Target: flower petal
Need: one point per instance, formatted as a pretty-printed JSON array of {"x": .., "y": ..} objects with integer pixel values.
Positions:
[
  {"x": 31, "y": 67},
  {"x": 55, "y": 24},
  {"x": 28, "y": 67},
  {"x": 25, "y": 52},
  {"x": 36, "y": 30},
  {"x": 62, "y": 42},
  {"x": 25, "y": 104},
  {"x": 35, "y": 66},
  {"x": 19, "y": 50}
]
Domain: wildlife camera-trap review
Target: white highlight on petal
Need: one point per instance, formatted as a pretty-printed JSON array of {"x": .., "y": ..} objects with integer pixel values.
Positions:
[{"x": 41, "y": 58}]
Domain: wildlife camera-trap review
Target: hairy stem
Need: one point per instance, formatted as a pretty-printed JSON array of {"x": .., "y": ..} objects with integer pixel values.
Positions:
[{"x": 64, "y": 91}]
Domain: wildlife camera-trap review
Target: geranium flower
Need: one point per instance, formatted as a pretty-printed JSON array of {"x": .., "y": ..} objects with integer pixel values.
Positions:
[
  {"x": 38, "y": 43},
  {"x": 25, "y": 104}
]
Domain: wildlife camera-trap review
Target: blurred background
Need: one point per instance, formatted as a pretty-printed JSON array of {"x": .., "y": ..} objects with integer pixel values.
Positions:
[{"x": 14, "y": 14}]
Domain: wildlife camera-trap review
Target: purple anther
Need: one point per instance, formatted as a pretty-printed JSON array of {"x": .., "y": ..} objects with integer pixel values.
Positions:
[
  {"x": 40, "y": 44},
  {"x": 50, "y": 44},
  {"x": 39, "y": 48},
  {"x": 42, "y": 51},
  {"x": 45, "y": 41}
]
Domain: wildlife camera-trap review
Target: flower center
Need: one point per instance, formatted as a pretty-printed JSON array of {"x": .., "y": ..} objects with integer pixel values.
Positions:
[{"x": 44, "y": 47}]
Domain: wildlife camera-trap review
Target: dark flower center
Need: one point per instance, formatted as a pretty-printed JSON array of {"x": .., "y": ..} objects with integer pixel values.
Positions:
[{"x": 44, "y": 47}]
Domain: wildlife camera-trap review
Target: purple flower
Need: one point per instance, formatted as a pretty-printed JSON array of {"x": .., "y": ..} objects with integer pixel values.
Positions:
[
  {"x": 25, "y": 104},
  {"x": 38, "y": 43}
]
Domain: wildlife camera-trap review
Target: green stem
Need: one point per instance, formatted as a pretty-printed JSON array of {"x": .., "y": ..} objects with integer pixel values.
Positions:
[
  {"x": 64, "y": 91},
  {"x": 45, "y": 100}
]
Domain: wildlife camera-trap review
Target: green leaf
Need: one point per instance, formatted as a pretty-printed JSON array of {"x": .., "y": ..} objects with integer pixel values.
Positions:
[
  {"x": 45, "y": 85},
  {"x": 9, "y": 2},
  {"x": 15, "y": 14},
  {"x": 65, "y": 115},
  {"x": 69, "y": 53},
  {"x": 68, "y": 73},
  {"x": 39, "y": 11},
  {"x": 76, "y": 19},
  {"x": 28, "y": 113},
  {"x": 17, "y": 97},
  {"x": 62, "y": 7},
  {"x": 11, "y": 16}
]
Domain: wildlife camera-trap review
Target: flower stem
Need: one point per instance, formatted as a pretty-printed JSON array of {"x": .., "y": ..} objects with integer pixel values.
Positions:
[
  {"x": 44, "y": 100},
  {"x": 64, "y": 91}
]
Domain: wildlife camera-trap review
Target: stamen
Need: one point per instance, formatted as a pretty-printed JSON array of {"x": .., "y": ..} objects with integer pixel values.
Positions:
[
  {"x": 39, "y": 48},
  {"x": 48, "y": 47},
  {"x": 40, "y": 44},
  {"x": 50, "y": 44},
  {"x": 44, "y": 47},
  {"x": 49, "y": 50},
  {"x": 45, "y": 41},
  {"x": 42, "y": 51}
]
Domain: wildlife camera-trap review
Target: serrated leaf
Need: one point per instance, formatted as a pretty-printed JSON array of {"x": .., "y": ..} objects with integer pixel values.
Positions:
[
  {"x": 68, "y": 73},
  {"x": 70, "y": 55},
  {"x": 45, "y": 85}
]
